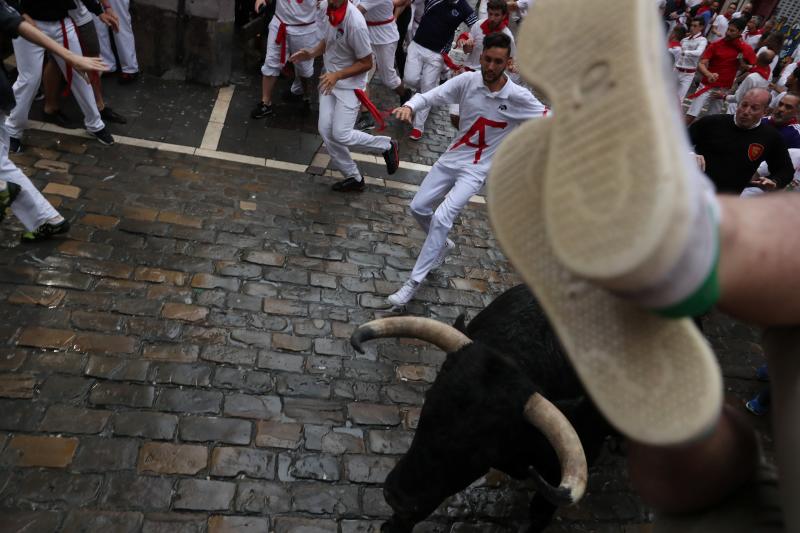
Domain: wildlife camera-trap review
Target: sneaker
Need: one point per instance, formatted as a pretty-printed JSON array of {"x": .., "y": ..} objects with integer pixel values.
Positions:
[
  {"x": 406, "y": 97},
  {"x": 404, "y": 294},
  {"x": 449, "y": 245},
  {"x": 14, "y": 145},
  {"x": 103, "y": 136},
  {"x": 45, "y": 231},
  {"x": 261, "y": 110},
  {"x": 756, "y": 407},
  {"x": 392, "y": 157},
  {"x": 109, "y": 115},
  {"x": 60, "y": 119},
  {"x": 126, "y": 78},
  {"x": 415, "y": 135},
  {"x": 7, "y": 197},
  {"x": 349, "y": 185},
  {"x": 288, "y": 96},
  {"x": 365, "y": 123}
]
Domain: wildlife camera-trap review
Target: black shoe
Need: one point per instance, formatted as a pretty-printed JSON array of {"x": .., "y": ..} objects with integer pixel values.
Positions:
[
  {"x": 288, "y": 96},
  {"x": 45, "y": 231},
  {"x": 14, "y": 145},
  {"x": 349, "y": 185},
  {"x": 7, "y": 197},
  {"x": 365, "y": 123},
  {"x": 103, "y": 136},
  {"x": 392, "y": 158},
  {"x": 59, "y": 119},
  {"x": 406, "y": 97},
  {"x": 109, "y": 115},
  {"x": 126, "y": 78},
  {"x": 261, "y": 110}
]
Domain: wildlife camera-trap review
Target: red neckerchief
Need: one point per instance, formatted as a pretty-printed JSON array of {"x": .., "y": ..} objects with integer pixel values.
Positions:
[
  {"x": 485, "y": 26},
  {"x": 762, "y": 71},
  {"x": 673, "y": 44},
  {"x": 336, "y": 14}
]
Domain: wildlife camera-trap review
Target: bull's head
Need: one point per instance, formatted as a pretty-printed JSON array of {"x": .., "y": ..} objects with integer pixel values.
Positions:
[{"x": 426, "y": 475}]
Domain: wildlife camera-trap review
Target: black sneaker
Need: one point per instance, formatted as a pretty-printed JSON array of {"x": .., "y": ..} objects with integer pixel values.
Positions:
[
  {"x": 392, "y": 158},
  {"x": 59, "y": 119},
  {"x": 288, "y": 96},
  {"x": 45, "y": 231},
  {"x": 103, "y": 136},
  {"x": 14, "y": 145},
  {"x": 126, "y": 78},
  {"x": 109, "y": 115},
  {"x": 7, "y": 197},
  {"x": 406, "y": 97},
  {"x": 365, "y": 123},
  {"x": 349, "y": 185},
  {"x": 261, "y": 110}
]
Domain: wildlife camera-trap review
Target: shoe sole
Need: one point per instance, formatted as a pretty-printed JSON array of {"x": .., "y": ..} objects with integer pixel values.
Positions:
[
  {"x": 615, "y": 195},
  {"x": 101, "y": 141},
  {"x": 654, "y": 379}
]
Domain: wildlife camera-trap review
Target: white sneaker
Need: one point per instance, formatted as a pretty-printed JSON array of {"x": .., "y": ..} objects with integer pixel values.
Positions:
[
  {"x": 449, "y": 245},
  {"x": 404, "y": 295}
]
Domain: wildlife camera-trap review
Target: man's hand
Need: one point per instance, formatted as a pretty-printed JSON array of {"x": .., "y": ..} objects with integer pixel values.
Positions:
[
  {"x": 259, "y": 4},
  {"x": 304, "y": 54},
  {"x": 713, "y": 77},
  {"x": 327, "y": 81},
  {"x": 512, "y": 67},
  {"x": 764, "y": 183},
  {"x": 404, "y": 113},
  {"x": 469, "y": 45},
  {"x": 82, "y": 64},
  {"x": 110, "y": 19}
]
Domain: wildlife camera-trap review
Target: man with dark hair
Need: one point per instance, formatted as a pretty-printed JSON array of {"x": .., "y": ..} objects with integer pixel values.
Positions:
[{"x": 491, "y": 106}]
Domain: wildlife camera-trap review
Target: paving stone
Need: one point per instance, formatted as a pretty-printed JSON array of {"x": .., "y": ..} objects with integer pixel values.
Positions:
[
  {"x": 264, "y": 258},
  {"x": 13, "y": 359},
  {"x": 189, "y": 401},
  {"x": 238, "y": 270},
  {"x": 262, "y": 497},
  {"x": 17, "y": 385},
  {"x": 237, "y": 524},
  {"x": 56, "y": 339},
  {"x": 116, "y": 368},
  {"x": 40, "y": 521},
  {"x": 99, "y": 221},
  {"x": 181, "y": 220},
  {"x": 323, "y": 280},
  {"x": 167, "y": 458},
  {"x": 101, "y": 343},
  {"x": 281, "y": 361},
  {"x": 122, "y": 394},
  {"x": 252, "y": 337},
  {"x": 67, "y": 419},
  {"x": 207, "y": 281},
  {"x": 374, "y": 504},
  {"x": 80, "y": 521},
  {"x": 127, "y": 490},
  {"x": 406, "y": 393},
  {"x": 320, "y": 498},
  {"x": 312, "y": 411},
  {"x": 243, "y": 379},
  {"x": 305, "y": 525},
  {"x": 280, "y": 275},
  {"x": 179, "y": 353},
  {"x": 67, "y": 191},
  {"x": 303, "y": 385},
  {"x": 147, "y": 425},
  {"x": 33, "y": 450},
  {"x": 311, "y": 328},
  {"x": 285, "y": 307},
  {"x": 360, "y": 526},
  {"x": 205, "y": 495},
  {"x": 203, "y": 429},
  {"x": 315, "y": 466},
  {"x": 175, "y": 523},
  {"x": 195, "y": 375},
  {"x": 43, "y": 296},
  {"x": 137, "y": 306},
  {"x": 338, "y": 443},
  {"x": 324, "y": 366},
  {"x": 105, "y": 322},
  {"x": 424, "y": 374},
  {"x": 56, "y": 487},
  {"x": 85, "y": 249},
  {"x": 65, "y": 389},
  {"x": 278, "y": 435},
  {"x": 231, "y": 462},
  {"x": 411, "y": 418},
  {"x": 229, "y": 355},
  {"x": 290, "y": 343},
  {"x": 367, "y": 469},
  {"x": 244, "y": 301},
  {"x": 332, "y": 347},
  {"x": 158, "y": 275},
  {"x": 390, "y": 441},
  {"x": 102, "y": 454},
  {"x": 189, "y": 313},
  {"x": 250, "y": 406},
  {"x": 20, "y": 415}
]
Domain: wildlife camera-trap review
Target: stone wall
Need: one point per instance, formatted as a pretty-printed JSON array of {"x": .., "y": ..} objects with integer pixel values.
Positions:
[{"x": 192, "y": 38}]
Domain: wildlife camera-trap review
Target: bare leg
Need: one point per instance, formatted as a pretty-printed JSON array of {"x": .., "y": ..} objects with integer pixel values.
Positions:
[
  {"x": 267, "y": 84},
  {"x": 51, "y": 83}
]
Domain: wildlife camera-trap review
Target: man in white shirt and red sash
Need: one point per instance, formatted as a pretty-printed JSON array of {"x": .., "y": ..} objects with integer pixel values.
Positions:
[
  {"x": 347, "y": 57},
  {"x": 692, "y": 48},
  {"x": 491, "y": 107}
]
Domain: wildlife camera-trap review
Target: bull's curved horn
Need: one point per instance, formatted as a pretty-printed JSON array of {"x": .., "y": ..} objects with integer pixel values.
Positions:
[
  {"x": 562, "y": 436},
  {"x": 437, "y": 333}
]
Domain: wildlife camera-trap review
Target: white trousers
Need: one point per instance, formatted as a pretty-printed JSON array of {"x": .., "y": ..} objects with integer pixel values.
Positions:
[
  {"x": 29, "y": 64},
  {"x": 383, "y": 65},
  {"x": 126, "y": 44},
  {"x": 337, "y": 116},
  {"x": 451, "y": 189},
  {"x": 685, "y": 80},
  {"x": 423, "y": 67},
  {"x": 715, "y": 105},
  {"x": 272, "y": 60},
  {"x": 30, "y": 207}
]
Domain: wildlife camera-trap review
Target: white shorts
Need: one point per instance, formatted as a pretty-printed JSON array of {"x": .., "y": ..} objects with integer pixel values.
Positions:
[{"x": 272, "y": 62}]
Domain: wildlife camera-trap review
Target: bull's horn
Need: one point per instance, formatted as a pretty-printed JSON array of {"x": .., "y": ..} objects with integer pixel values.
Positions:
[
  {"x": 437, "y": 333},
  {"x": 546, "y": 417}
]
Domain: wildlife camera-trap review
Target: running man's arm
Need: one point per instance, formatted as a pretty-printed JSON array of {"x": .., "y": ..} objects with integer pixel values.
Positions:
[
  {"x": 696, "y": 53},
  {"x": 447, "y": 93}
]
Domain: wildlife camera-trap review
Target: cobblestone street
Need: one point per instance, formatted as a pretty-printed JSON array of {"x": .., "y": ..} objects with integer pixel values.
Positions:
[{"x": 179, "y": 362}]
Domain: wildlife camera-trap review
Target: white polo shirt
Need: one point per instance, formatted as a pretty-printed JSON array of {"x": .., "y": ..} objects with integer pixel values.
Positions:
[
  {"x": 345, "y": 44},
  {"x": 692, "y": 48},
  {"x": 380, "y": 11},
  {"x": 300, "y": 16}
]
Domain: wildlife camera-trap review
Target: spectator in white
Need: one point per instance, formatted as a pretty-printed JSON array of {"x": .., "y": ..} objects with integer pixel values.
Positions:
[
  {"x": 753, "y": 32},
  {"x": 774, "y": 42},
  {"x": 719, "y": 25},
  {"x": 384, "y": 36},
  {"x": 757, "y": 78},
  {"x": 492, "y": 106},
  {"x": 123, "y": 40},
  {"x": 294, "y": 27},
  {"x": 347, "y": 57},
  {"x": 692, "y": 48},
  {"x": 52, "y": 18},
  {"x": 788, "y": 81},
  {"x": 434, "y": 35},
  {"x": 39, "y": 217},
  {"x": 746, "y": 12}
]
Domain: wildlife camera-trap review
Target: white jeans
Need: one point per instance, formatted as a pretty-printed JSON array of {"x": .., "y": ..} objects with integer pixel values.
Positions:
[
  {"x": 126, "y": 45},
  {"x": 30, "y": 207},
  {"x": 451, "y": 189},
  {"x": 272, "y": 60},
  {"x": 685, "y": 80},
  {"x": 423, "y": 68},
  {"x": 338, "y": 112},
  {"x": 715, "y": 105},
  {"x": 29, "y": 64},
  {"x": 383, "y": 65}
]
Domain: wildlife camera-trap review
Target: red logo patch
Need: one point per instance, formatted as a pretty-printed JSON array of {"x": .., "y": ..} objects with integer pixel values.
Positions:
[{"x": 754, "y": 151}]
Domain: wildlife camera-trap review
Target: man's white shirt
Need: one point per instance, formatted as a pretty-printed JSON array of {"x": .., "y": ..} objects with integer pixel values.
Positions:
[
  {"x": 345, "y": 44},
  {"x": 380, "y": 11},
  {"x": 486, "y": 118},
  {"x": 299, "y": 16},
  {"x": 692, "y": 48}
]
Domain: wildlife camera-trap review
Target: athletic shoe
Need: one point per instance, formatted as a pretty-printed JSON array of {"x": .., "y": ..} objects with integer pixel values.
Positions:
[
  {"x": 261, "y": 110},
  {"x": 415, "y": 135},
  {"x": 126, "y": 78},
  {"x": 448, "y": 247},
  {"x": 406, "y": 97},
  {"x": 288, "y": 96},
  {"x": 756, "y": 407},
  {"x": 7, "y": 197},
  {"x": 109, "y": 115},
  {"x": 404, "y": 294},
  {"x": 14, "y": 145},
  {"x": 45, "y": 231},
  {"x": 762, "y": 373},
  {"x": 59, "y": 119},
  {"x": 349, "y": 185},
  {"x": 103, "y": 136},
  {"x": 392, "y": 157},
  {"x": 365, "y": 123}
]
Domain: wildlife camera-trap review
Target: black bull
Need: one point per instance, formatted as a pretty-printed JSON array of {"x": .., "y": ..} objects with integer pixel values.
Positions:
[{"x": 473, "y": 420}]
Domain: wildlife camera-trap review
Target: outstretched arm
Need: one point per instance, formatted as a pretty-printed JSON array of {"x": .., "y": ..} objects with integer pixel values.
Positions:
[{"x": 78, "y": 62}]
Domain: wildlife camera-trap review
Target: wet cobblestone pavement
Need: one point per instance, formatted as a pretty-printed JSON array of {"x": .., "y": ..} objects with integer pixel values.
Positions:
[{"x": 179, "y": 361}]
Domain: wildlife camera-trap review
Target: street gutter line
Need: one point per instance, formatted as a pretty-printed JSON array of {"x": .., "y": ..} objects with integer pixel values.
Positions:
[{"x": 217, "y": 119}]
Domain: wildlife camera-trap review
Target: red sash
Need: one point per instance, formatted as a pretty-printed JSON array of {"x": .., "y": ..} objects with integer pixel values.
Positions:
[
  {"x": 379, "y": 22},
  {"x": 66, "y": 65},
  {"x": 280, "y": 38},
  {"x": 366, "y": 102}
]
